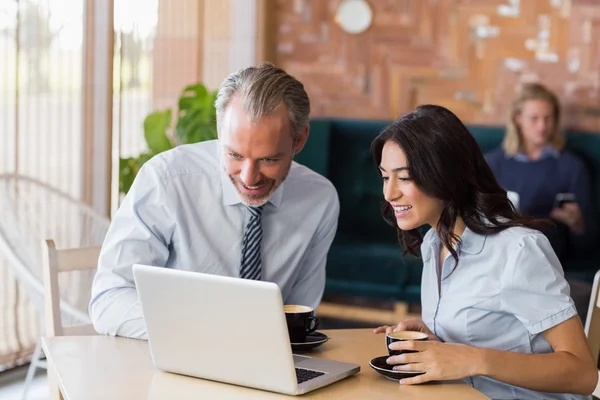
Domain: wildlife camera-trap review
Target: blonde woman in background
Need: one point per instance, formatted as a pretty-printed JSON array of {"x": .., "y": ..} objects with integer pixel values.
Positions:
[{"x": 533, "y": 163}]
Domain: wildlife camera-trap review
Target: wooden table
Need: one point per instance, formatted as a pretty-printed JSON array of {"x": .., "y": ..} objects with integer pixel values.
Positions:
[{"x": 101, "y": 367}]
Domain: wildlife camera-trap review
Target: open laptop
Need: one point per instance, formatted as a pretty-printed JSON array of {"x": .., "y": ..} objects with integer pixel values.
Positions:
[{"x": 228, "y": 330}]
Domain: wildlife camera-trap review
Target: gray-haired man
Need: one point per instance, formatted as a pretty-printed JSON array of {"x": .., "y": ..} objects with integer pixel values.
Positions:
[{"x": 237, "y": 206}]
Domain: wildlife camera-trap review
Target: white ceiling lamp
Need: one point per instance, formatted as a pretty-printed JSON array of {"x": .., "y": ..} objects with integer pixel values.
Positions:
[{"x": 354, "y": 16}]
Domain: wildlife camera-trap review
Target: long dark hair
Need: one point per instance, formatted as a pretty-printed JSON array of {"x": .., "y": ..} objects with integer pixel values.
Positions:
[{"x": 445, "y": 162}]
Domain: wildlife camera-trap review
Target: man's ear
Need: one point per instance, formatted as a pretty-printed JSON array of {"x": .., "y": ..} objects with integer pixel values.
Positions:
[{"x": 301, "y": 141}]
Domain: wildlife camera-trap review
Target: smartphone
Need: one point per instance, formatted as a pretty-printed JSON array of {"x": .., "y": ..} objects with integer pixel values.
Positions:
[{"x": 564, "y": 198}]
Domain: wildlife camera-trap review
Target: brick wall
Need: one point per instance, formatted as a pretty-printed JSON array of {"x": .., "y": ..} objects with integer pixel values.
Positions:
[{"x": 462, "y": 54}]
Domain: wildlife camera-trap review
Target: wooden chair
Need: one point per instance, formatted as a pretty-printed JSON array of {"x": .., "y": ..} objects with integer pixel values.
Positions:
[
  {"x": 33, "y": 210},
  {"x": 54, "y": 262},
  {"x": 592, "y": 325}
]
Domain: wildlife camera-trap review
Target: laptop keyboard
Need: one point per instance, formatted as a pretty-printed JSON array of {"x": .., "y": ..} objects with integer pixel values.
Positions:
[{"x": 304, "y": 375}]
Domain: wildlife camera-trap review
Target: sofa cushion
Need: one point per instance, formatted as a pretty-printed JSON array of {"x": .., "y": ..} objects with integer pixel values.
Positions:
[
  {"x": 372, "y": 270},
  {"x": 365, "y": 258},
  {"x": 488, "y": 137},
  {"x": 355, "y": 176},
  {"x": 315, "y": 154},
  {"x": 587, "y": 147}
]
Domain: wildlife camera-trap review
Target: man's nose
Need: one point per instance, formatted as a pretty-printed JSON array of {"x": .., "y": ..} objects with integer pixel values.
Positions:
[{"x": 250, "y": 174}]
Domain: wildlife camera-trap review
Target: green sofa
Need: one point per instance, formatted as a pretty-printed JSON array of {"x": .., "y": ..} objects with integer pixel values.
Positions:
[{"x": 365, "y": 259}]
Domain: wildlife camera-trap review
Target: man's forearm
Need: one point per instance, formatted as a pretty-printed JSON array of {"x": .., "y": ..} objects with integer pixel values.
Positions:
[
  {"x": 118, "y": 313},
  {"x": 558, "y": 372}
]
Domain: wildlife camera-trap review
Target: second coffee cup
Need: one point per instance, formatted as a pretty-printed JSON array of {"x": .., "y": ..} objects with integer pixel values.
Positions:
[
  {"x": 300, "y": 321},
  {"x": 403, "y": 336}
]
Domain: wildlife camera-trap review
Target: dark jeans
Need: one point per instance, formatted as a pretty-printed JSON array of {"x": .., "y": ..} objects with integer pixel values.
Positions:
[
  {"x": 580, "y": 293},
  {"x": 558, "y": 235}
]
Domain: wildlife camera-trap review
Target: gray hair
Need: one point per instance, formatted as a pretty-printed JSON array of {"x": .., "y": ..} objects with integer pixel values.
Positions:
[{"x": 264, "y": 89}]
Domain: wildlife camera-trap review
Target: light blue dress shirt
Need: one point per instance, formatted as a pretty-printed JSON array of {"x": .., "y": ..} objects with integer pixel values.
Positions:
[
  {"x": 548, "y": 152},
  {"x": 507, "y": 289},
  {"x": 184, "y": 212}
]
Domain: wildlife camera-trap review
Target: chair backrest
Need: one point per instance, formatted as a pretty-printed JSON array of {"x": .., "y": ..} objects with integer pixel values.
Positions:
[
  {"x": 55, "y": 261},
  {"x": 592, "y": 324}
]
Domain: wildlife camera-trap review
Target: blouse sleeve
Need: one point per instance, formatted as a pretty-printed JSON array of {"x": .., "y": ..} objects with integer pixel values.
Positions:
[{"x": 534, "y": 288}]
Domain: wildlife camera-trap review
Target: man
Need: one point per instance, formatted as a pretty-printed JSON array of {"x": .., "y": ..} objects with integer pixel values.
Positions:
[{"x": 237, "y": 206}]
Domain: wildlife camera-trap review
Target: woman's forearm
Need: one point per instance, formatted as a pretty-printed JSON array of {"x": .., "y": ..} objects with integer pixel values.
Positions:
[{"x": 558, "y": 372}]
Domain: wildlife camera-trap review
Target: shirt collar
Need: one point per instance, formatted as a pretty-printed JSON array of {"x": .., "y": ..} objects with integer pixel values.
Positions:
[
  {"x": 470, "y": 243},
  {"x": 548, "y": 152},
  {"x": 230, "y": 193}
]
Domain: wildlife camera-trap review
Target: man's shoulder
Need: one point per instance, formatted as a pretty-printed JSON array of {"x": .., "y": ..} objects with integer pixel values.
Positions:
[
  {"x": 195, "y": 158},
  {"x": 308, "y": 182}
]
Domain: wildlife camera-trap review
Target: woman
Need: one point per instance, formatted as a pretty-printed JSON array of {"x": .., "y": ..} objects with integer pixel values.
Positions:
[
  {"x": 533, "y": 164},
  {"x": 494, "y": 300}
]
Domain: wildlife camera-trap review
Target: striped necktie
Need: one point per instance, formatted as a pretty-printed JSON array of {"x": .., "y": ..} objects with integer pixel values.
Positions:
[{"x": 250, "y": 265}]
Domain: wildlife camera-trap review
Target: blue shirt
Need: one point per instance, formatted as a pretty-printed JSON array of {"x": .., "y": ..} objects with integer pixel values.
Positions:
[
  {"x": 507, "y": 289},
  {"x": 184, "y": 212},
  {"x": 548, "y": 152},
  {"x": 539, "y": 181}
]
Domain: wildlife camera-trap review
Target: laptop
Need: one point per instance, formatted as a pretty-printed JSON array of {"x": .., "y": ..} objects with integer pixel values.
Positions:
[{"x": 228, "y": 330}]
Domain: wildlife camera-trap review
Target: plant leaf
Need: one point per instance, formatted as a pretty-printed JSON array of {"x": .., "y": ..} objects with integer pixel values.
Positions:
[
  {"x": 129, "y": 168},
  {"x": 155, "y": 131},
  {"x": 196, "y": 122},
  {"x": 196, "y": 116},
  {"x": 193, "y": 96}
]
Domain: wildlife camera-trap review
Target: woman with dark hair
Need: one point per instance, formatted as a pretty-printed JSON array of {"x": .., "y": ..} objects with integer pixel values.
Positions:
[{"x": 495, "y": 303}]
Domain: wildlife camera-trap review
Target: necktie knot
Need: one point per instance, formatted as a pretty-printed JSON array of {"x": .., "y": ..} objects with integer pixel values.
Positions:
[{"x": 256, "y": 211}]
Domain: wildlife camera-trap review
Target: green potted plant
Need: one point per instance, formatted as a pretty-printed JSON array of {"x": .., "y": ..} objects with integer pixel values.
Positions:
[{"x": 196, "y": 122}]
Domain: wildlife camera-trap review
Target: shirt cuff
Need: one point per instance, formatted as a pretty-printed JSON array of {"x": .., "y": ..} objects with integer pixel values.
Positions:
[{"x": 552, "y": 320}]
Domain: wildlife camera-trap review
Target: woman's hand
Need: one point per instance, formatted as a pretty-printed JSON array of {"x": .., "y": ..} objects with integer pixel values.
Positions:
[
  {"x": 440, "y": 361},
  {"x": 570, "y": 215},
  {"x": 414, "y": 324}
]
